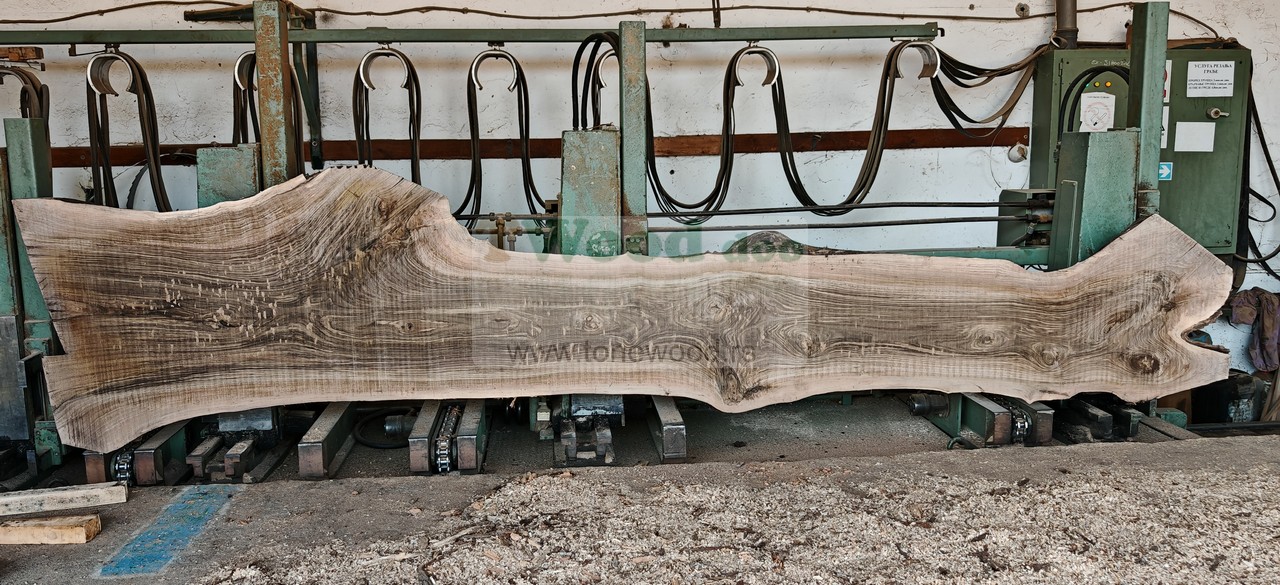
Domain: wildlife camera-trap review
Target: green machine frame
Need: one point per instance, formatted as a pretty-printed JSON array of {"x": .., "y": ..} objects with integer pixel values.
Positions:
[
  {"x": 1097, "y": 186},
  {"x": 1200, "y": 186}
]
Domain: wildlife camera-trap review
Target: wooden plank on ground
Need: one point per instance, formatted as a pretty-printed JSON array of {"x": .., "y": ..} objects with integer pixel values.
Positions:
[
  {"x": 63, "y": 498},
  {"x": 358, "y": 285},
  {"x": 60, "y": 530}
]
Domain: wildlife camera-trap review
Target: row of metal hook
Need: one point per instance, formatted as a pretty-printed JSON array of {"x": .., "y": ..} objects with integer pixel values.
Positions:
[
  {"x": 587, "y": 107},
  {"x": 584, "y": 108}
]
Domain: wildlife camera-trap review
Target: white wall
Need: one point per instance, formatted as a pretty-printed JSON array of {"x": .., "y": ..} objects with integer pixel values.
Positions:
[{"x": 831, "y": 86}]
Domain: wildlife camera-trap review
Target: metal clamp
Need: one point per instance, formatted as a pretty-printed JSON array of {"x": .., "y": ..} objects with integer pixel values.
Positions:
[
  {"x": 361, "y": 85},
  {"x": 499, "y": 54},
  {"x": 384, "y": 51},
  {"x": 595, "y": 68},
  {"x": 98, "y": 73},
  {"x": 246, "y": 66},
  {"x": 770, "y": 60},
  {"x": 931, "y": 57}
]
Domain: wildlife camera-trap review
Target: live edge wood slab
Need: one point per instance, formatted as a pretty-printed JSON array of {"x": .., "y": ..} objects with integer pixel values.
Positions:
[{"x": 357, "y": 285}]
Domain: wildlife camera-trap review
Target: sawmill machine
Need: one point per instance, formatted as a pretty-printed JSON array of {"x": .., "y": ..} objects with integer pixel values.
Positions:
[{"x": 1119, "y": 132}]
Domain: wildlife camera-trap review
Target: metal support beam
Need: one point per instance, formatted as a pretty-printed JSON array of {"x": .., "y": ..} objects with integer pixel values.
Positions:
[
  {"x": 162, "y": 458},
  {"x": 239, "y": 459},
  {"x": 267, "y": 463},
  {"x": 422, "y": 452},
  {"x": 199, "y": 457},
  {"x": 16, "y": 408},
  {"x": 633, "y": 82},
  {"x": 473, "y": 436},
  {"x": 330, "y": 435},
  {"x": 10, "y": 280},
  {"x": 275, "y": 88},
  {"x": 1150, "y": 33},
  {"x": 668, "y": 430},
  {"x": 30, "y": 175},
  {"x": 974, "y": 418},
  {"x": 97, "y": 466}
]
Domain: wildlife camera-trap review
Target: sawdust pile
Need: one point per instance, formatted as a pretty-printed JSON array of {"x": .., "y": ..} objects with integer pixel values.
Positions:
[{"x": 758, "y": 523}]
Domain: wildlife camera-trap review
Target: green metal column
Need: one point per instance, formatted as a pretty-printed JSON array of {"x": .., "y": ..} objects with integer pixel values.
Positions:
[
  {"x": 634, "y": 119},
  {"x": 306, "y": 61},
  {"x": 10, "y": 280},
  {"x": 1146, "y": 92},
  {"x": 275, "y": 110},
  {"x": 589, "y": 208},
  {"x": 30, "y": 176},
  {"x": 15, "y": 403},
  {"x": 1095, "y": 200}
]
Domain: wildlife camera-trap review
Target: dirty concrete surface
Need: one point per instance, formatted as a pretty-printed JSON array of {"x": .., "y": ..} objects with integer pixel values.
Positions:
[{"x": 1199, "y": 511}]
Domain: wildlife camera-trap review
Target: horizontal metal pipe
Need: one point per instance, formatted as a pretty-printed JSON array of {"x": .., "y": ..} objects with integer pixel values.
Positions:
[
  {"x": 853, "y": 224},
  {"x": 875, "y": 205},
  {"x": 463, "y": 35},
  {"x": 510, "y": 232},
  {"x": 504, "y": 216}
]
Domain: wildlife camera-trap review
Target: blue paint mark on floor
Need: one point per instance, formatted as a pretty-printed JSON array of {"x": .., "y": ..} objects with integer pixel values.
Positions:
[{"x": 181, "y": 521}]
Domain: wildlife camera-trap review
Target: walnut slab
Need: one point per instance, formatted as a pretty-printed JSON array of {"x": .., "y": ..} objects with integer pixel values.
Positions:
[{"x": 357, "y": 285}]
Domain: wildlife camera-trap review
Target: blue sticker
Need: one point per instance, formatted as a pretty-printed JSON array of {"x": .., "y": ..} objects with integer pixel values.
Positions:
[
  {"x": 1166, "y": 171},
  {"x": 186, "y": 516}
]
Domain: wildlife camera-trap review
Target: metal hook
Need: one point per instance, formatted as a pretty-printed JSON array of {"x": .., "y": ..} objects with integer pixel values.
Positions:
[
  {"x": 595, "y": 69},
  {"x": 244, "y": 70},
  {"x": 929, "y": 53},
  {"x": 98, "y": 73},
  {"x": 495, "y": 54},
  {"x": 383, "y": 51},
  {"x": 770, "y": 61}
]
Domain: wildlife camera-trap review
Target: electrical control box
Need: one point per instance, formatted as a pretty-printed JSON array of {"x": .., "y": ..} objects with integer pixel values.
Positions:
[{"x": 1205, "y": 126}]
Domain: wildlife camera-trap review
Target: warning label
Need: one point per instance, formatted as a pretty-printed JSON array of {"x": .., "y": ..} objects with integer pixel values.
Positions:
[{"x": 1211, "y": 78}]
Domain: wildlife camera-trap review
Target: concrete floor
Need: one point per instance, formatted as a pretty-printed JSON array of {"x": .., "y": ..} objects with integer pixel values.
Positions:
[{"x": 370, "y": 502}]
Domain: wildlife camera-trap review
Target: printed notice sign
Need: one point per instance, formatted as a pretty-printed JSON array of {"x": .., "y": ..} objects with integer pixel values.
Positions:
[
  {"x": 1097, "y": 111},
  {"x": 1211, "y": 78}
]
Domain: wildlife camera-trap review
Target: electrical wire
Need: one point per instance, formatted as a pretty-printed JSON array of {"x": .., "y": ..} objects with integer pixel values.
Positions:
[
  {"x": 745, "y": 7},
  {"x": 1259, "y": 258},
  {"x": 426, "y": 9}
]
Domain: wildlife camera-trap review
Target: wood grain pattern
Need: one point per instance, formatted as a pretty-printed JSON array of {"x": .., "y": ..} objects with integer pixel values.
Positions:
[
  {"x": 60, "y": 530},
  {"x": 63, "y": 498},
  {"x": 357, "y": 285}
]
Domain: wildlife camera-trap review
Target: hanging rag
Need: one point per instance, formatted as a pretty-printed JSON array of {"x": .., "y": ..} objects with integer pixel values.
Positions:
[{"x": 1261, "y": 309}]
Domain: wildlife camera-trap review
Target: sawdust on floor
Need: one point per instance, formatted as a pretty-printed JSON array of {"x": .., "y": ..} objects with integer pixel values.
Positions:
[{"x": 822, "y": 522}]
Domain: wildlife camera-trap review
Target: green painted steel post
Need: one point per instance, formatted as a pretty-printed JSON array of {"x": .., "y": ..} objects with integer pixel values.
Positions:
[
  {"x": 634, "y": 117},
  {"x": 306, "y": 60},
  {"x": 1095, "y": 200},
  {"x": 275, "y": 111},
  {"x": 10, "y": 281},
  {"x": 30, "y": 175},
  {"x": 1146, "y": 90},
  {"x": 589, "y": 206}
]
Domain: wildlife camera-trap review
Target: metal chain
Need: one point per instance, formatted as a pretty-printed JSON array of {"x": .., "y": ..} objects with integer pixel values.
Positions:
[
  {"x": 1021, "y": 426},
  {"x": 444, "y": 438},
  {"x": 123, "y": 468}
]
